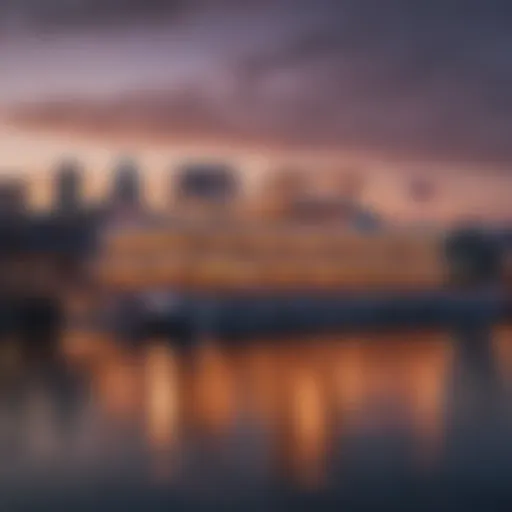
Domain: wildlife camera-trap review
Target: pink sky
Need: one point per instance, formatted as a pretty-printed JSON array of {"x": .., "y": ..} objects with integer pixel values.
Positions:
[{"x": 321, "y": 84}]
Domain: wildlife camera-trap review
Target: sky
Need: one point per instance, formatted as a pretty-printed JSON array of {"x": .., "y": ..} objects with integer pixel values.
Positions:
[{"x": 399, "y": 87}]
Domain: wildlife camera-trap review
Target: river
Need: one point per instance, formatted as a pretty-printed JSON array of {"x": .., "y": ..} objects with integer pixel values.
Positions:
[{"x": 373, "y": 419}]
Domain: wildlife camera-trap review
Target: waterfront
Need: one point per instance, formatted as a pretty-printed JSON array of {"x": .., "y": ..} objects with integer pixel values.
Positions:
[{"x": 328, "y": 416}]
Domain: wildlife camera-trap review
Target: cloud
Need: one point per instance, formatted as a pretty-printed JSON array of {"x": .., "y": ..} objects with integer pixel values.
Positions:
[
  {"x": 185, "y": 113},
  {"x": 403, "y": 78},
  {"x": 72, "y": 14},
  {"x": 429, "y": 79},
  {"x": 189, "y": 114}
]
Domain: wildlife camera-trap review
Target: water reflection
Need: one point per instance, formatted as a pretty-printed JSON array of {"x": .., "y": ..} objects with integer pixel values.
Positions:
[
  {"x": 479, "y": 448},
  {"x": 301, "y": 396},
  {"x": 40, "y": 396},
  {"x": 310, "y": 413}
]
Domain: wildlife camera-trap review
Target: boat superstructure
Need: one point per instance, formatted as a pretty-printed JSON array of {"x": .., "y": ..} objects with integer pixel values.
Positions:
[{"x": 255, "y": 258}]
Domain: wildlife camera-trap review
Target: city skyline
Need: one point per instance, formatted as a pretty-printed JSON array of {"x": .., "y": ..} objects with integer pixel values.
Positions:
[
  {"x": 387, "y": 192},
  {"x": 323, "y": 83}
]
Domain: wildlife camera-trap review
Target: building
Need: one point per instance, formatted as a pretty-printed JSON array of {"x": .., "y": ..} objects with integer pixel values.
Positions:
[
  {"x": 206, "y": 189},
  {"x": 126, "y": 191},
  {"x": 13, "y": 196},
  {"x": 68, "y": 187},
  {"x": 282, "y": 190},
  {"x": 212, "y": 183}
]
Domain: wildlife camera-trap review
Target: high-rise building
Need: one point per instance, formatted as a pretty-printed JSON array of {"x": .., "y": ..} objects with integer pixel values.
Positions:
[
  {"x": 13, "y": 196},
  {"x": 68, "y": 187},
  {"x": 127, "y": 185}
]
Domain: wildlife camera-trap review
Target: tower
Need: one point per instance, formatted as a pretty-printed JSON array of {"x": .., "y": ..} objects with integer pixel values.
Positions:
[
  {"x": 68, "y": 187},
  {"x": 13, "y": 196},
  {"x": 127, "y": 187}
]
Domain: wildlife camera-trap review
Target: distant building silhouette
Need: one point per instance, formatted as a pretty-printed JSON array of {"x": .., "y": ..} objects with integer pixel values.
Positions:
[
  {"x": 68, "y": 187},
  {"x": 126, "y": 191},
  {"x": 474, "y": 257},
  {"x": 283, "y": 189},
  {"x": 13, "y": 196},
  {"x": 206, "y": 183}
]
